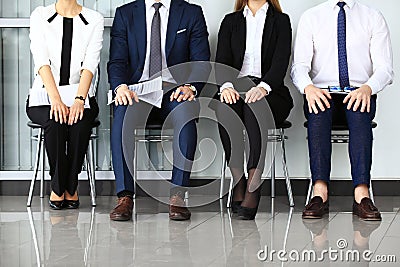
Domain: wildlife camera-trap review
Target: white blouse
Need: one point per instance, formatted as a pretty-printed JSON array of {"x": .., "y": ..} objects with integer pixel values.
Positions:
[{"x": 46, "y": 35}]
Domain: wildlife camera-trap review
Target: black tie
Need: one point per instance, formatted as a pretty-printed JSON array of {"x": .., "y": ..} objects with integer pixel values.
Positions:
[{"x": 155, "y": 42}]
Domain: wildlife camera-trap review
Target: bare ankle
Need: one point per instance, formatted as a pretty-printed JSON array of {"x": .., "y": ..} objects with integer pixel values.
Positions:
[{"x": 321, "y": 189}]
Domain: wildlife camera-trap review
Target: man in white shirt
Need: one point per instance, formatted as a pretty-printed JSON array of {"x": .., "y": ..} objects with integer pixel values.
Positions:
[{"x": 342, "y": 59}]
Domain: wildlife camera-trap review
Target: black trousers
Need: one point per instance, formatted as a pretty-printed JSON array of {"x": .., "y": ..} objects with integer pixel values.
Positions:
[
  {"x": 256, "y": 118},
  {"x": 66, "y": 145}
]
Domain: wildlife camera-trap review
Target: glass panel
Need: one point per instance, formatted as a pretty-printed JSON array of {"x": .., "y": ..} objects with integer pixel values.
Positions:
[{"x": 23, "y": 8}]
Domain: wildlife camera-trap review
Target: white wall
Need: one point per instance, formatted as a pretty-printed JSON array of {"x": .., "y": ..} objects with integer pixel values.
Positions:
[{"x": 386, "y": 158}]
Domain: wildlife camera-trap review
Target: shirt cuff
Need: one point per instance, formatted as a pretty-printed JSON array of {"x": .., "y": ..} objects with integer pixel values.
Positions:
[
  {"x": 375, "y": 86},
  {"x": 226, "y": 85},
  {"x": 265, "y": 86},
  {"x": 116, "y": 88}
]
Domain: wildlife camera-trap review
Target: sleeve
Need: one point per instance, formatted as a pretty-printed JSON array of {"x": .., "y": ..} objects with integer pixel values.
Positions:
[
  {"x": 119, "y": 52},
  {"x": 92, "y": 56},
  {"x": 224, "y": 74},
  {"x": 381, "y": 56},
  {"x": 280, "y": 60},
  {"x": 199, "y": 48},
  {"x": 302, "y": 55},
  {"x": 38, "y": 45}
]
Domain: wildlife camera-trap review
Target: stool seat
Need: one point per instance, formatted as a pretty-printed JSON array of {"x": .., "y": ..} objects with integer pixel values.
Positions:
[
  {"x": 343, "y": 127},
  {"x": 284, "y": 125}
]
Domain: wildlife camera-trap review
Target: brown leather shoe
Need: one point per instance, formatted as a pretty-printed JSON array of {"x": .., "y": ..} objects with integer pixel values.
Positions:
[
  {"x": 177, "y": 209},
  {"x": 123, "y": 210},
  {"x": 366, "y": 210},
  {"x": 316, "y": 208}
]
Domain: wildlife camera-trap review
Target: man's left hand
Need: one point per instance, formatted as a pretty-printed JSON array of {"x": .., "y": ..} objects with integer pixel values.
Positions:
[
  {"x": 360, "y": 97},
  {"x": 182, "y": 93}
]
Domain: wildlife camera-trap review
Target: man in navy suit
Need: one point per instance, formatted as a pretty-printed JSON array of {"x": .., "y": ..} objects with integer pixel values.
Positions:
[{"x": 147, "y": 37}]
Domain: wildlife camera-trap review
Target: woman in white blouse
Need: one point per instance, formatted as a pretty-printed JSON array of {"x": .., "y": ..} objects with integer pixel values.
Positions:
[
  {"x": 66, "y": 40},
  {"x": 256, "y": 41}
]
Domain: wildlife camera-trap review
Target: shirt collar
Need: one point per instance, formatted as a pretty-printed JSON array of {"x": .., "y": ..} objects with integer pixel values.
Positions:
[
  {"x": 247, "y": 11},
  {"x": 165, "y": 3},
  {"x": 349, "y": 3}
]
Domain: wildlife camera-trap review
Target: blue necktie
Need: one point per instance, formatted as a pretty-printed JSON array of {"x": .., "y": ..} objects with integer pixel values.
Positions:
[{"x": 342, "y": 52}]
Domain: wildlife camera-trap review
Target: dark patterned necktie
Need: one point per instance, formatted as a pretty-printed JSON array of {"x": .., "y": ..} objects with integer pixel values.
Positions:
[
  {"x": 155, "y": 42},
  {"x": 342, "y": 51}
]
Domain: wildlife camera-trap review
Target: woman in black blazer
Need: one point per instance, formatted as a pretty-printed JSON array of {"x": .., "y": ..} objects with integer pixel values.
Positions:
[{"x": 255, "y": 40}]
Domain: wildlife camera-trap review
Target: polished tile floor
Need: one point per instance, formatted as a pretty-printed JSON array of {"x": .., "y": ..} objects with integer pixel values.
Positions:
[{"x": 213, "y": 237}]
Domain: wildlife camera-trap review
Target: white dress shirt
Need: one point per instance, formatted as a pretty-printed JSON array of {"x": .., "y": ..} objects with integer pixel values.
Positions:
[
  {"x": 254, "y": 37},
  {"x": 369, "y": 51},
  {"x": 46, "y": 42}
]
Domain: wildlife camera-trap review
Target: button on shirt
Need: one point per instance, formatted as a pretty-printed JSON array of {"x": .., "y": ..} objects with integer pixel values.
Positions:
[
  {"x": 369, "y": 51},
  {"x": 254, "y": 35}
]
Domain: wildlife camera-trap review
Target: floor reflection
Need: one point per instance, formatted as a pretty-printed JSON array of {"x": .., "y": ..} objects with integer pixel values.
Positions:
[{"x": 38, "y": 236}]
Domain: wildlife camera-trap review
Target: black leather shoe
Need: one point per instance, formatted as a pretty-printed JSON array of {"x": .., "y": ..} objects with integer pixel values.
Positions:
[
  {"x": 316, "y": 209},
  {"x": 70, "y": 204},
  {"x": 56, "y": 205},
  {"x": 235, "y": 206}
]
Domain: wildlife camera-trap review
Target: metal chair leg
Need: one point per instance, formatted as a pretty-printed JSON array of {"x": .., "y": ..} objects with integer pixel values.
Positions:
[
  {"x": 309, "y": 193},
  {"x": 229, "y": 200},
  {"x": 221, "y": 187},
  {"x": 371, "y": 192},
  {"x": 135, "y": 168},
  {"x": 36, "y": 168},
  {"x": 41, "y": 134},
  {"x": 90, "y": 173},
  {"x": 273, "y": 169},
  {"x": 285, "y": 169}
]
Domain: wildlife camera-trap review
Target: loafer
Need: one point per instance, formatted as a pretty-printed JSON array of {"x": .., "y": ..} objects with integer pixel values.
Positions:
[
  {"x": 71, "y": 204},
  {"x": 123, "y": 209},
  {"x": 56, "y": 205},
  {"x": 366, "y": 210},
  {"x": 177, "y": 209},
  {"x": 316, "y": 209}
]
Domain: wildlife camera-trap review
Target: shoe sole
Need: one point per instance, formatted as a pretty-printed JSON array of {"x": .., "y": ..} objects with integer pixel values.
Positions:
[
  {"x": 120, "y": 219},
  {"x": 367, "y": 219}
]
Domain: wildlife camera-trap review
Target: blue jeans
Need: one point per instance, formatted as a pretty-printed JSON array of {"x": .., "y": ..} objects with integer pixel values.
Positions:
[
  {"x": 184, "y": 143},
  {"x": 360, "y": 139}
]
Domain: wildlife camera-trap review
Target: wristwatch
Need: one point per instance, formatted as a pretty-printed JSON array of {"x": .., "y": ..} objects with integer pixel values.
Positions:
[
  {"x": 192, "y": 87},
  {"x": 79, "y": 97}
]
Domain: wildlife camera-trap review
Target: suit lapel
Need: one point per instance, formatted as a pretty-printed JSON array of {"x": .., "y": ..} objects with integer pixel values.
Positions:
[
  {"x": 268, "y": 28},
  {"x": 139, "y": 20},
  {"x": 175, "y": 15}
]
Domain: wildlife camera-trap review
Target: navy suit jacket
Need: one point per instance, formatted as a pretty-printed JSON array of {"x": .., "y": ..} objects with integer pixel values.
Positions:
[{"x": 128, "y": 41}]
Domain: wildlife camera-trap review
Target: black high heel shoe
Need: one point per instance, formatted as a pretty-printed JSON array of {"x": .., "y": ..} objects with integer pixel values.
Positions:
[
  {"x": 70, "y": 204},
  {"x": 235, "y": 206},
  {"x": 56, "y": 205},
  {"x": 245, "y": 213}
]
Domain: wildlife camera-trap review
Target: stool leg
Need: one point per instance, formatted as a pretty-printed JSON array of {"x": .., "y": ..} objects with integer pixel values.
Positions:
[
  {"x": 221, "y": 187},
  {"x": 309, "y": 193},
  {"x": 371, "y": 192},
  {"x": 285, "y": 169},
  {"x": 273, "y": 168},
  {"x": 135, "y": 168},
  {"x": 36, "y": 168},
  {"x": 90, "y": 172},
  {"x": 43, "y": 164},
  {"x": 229, "y": 202}
]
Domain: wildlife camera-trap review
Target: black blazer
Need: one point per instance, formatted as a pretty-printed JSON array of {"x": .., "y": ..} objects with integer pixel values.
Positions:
[{"x": 276, "y": 50}]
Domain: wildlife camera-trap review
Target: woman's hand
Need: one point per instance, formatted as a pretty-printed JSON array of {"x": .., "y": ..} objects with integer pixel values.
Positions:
[
  {"x": 76, "y": 111},
  {"x": 255, "y": 94},
  {"x": 59, "y": 111},
  {"x": 229, "y": 95}
]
